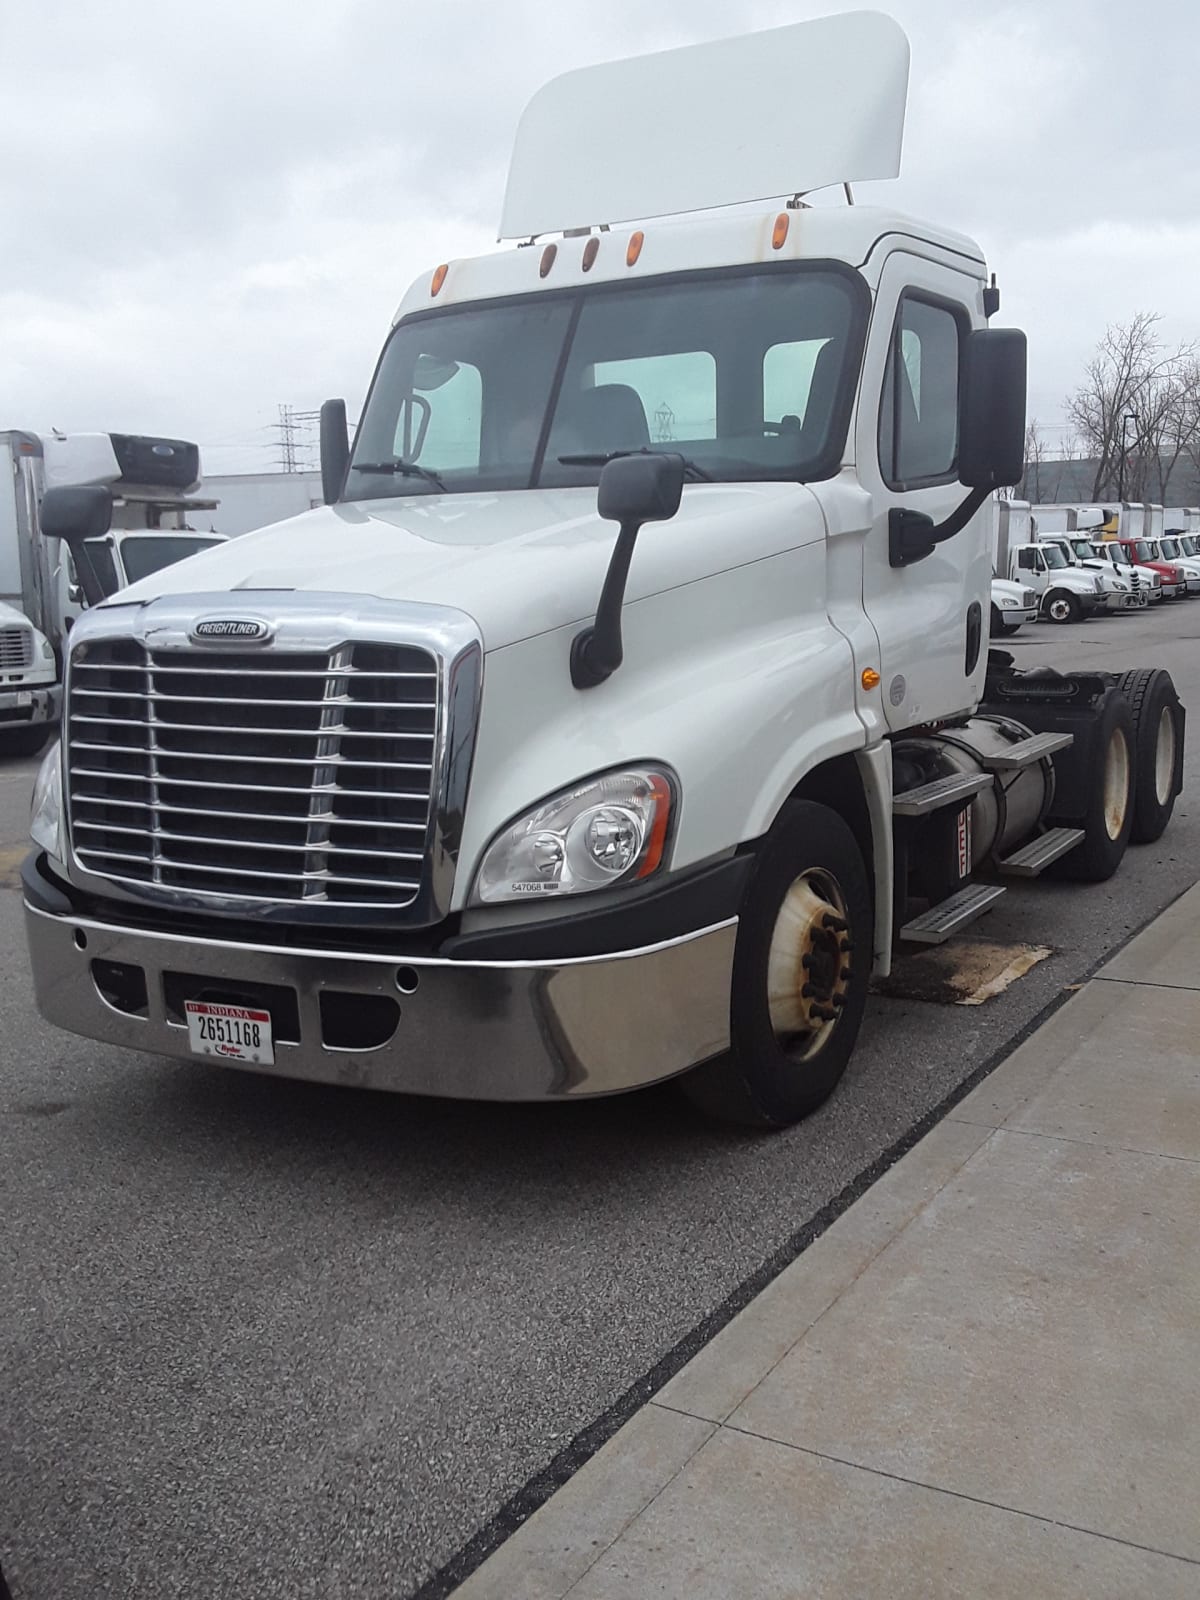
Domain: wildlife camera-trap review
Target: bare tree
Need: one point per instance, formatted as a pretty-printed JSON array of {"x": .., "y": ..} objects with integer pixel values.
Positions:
[
  {"x": 1135, "y": 409},
  {"x": 1036, "y": 453}
]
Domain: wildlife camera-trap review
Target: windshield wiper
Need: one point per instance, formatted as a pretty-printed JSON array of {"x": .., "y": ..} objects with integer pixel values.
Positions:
[
  {"x": 406, "y": 469},
  {"x": 601, "y": 458}
]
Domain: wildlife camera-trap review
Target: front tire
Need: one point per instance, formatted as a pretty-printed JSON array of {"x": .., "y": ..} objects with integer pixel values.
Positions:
[
  {"x": 800, "y": 971},
  {"x": 1061, "y": 606}
]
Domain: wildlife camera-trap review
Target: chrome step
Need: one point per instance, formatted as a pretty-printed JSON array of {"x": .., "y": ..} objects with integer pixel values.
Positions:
[
  {"x": 941, "y": 792},
  {"x": 941, "y": 921},
  {"x": 1027, "y": 751},
  {"x": 1037, "y": 855}
]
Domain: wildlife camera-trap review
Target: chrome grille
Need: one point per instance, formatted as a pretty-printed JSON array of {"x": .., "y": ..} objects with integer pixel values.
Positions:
[
  {"x": 16, "y": 647},
  {"x": 1028, "y": 598},
  {"x": 277, "y": 776}
]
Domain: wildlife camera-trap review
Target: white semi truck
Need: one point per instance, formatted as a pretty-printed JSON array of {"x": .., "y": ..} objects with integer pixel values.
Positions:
[{"x": 630, "y": 699}]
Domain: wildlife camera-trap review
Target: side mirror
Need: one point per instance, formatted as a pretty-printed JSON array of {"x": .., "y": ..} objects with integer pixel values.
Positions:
[
  {"x": 633, "y": 489},
  {"x": 640, "y": 488},
  {"x": 75, "y": 515},
  {"x": 991, "y": 411},
  {"x": 335, "y": 449}
]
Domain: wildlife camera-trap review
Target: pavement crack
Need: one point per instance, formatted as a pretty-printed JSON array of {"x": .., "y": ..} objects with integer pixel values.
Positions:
[{"x": 961, "y": 1494}]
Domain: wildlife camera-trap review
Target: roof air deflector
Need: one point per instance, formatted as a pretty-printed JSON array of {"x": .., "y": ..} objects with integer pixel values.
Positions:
[{"x": 784, "y": 111}]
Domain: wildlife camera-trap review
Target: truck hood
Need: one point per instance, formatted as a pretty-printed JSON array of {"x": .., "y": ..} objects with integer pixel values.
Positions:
[
  {"x": 10, "y": 615},
  {"x": 520, "y": 563}
]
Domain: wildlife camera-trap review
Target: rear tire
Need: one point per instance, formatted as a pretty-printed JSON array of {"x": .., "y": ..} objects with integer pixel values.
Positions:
[
  {"x": 800, "y": 971},
  {"x": 1109, "y": 818},
  {"x": 30, "y": 741},
  {"x": 1060, "y": 605},
  {"x": 1158, "y": 735}
]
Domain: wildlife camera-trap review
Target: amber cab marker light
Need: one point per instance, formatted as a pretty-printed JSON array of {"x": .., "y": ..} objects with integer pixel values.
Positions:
[
  {"x": 870, "y": 678},
  {"x": 548, "y": 255},
  {"x": 590, "y": 251},
  {"x": 636, "y": 241},
  {"x": 781, "y": 230},
  {"x": 658, "y": 828},
  {"x": 439, "y": 278}
]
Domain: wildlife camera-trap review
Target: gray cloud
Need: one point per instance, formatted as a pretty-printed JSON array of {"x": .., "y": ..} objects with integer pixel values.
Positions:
[{"x": 214, "y": 208}]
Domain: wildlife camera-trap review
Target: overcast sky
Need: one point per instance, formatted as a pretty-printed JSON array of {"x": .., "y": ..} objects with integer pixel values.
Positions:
[{"x": 211, "y": 208}]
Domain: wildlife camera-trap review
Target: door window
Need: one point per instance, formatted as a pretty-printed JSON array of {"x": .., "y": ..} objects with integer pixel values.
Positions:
[{"x": 918, "y": 418}]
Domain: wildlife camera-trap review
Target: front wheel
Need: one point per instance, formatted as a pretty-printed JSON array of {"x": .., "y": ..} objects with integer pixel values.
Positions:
[
  {"x": 1060, "y": 605},
  {"x": 800, "y": 971}
]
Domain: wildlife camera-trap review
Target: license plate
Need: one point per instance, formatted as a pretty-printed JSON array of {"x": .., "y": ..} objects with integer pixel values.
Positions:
[
  {"x": 24, "y": 697},
  {"x": 231, "y": 1033}
]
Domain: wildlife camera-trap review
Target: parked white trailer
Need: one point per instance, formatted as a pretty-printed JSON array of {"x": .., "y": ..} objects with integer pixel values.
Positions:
[
  {"x": 450, "y": 787},
  {"x": 244, "y": 501},
  {"x": 1065, "y": 592}
]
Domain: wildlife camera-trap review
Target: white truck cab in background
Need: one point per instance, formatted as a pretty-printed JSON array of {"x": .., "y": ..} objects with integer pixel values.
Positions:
[
  {"x": 1060, "y": 525},
  {"x": 1065, "y": 592},
  {"x": 629, "y": 700}
]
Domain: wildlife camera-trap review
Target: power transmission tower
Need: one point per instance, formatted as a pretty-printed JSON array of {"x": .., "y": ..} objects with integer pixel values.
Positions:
[
  {"x": 296, "y": 442},
  {"x": 286, "y": 429}
]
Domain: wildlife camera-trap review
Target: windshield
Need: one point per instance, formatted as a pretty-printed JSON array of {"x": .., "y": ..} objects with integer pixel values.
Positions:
[
  {"x": 1169, "y": 547},
  {"x": 1054, "y": 556},
  {"x": 1188, "y": 544},
  {"x": 1143, "y": 551},
  {"x": 150, "y": 552},
  {"x": 1083, "y": 549},
  {"x": 747, "y": 373}
]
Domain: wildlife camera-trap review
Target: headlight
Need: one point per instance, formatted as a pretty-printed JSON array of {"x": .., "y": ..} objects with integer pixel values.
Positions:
[
  {"x": 45, "y": 812},
  {"x": 1122, "y": 587},
  {"x": 1008, "y": 605},
  {"x": 611, "y": 829},
  {"x": 47, "y": 648}
]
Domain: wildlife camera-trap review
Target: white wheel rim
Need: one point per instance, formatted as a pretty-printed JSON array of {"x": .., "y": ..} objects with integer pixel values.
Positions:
[
  {"x": 1116, "y": 783},
  {"x": 808, "y": 964},
  {"x": 1060, "y": 610},
  {"x": 1164, "y": 756}
]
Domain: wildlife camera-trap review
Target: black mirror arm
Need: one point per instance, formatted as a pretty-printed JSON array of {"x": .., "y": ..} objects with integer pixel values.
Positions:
[
  {"x": 912, "y": 535},
  {"x": 597, "y": 652}
]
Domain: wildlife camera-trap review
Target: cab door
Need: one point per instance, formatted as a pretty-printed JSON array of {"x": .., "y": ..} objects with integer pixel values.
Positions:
[{"x": 931, "y": 617}]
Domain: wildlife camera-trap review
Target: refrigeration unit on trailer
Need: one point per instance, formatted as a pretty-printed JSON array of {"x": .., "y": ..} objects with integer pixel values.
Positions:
[{"x": 630, "y": 699}]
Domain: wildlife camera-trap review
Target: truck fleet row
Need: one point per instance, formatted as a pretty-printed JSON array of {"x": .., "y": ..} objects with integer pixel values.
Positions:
[
  {"x": 629, "y": 701},
  {"x": 1075, "y": 562}
]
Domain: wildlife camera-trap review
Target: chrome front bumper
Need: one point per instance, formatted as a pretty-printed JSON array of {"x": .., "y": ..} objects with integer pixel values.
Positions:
[
  {"x": 1132, "y": 601},
  {"x": 466, "y": 1030},
  {"x": 20, "y": 707}
]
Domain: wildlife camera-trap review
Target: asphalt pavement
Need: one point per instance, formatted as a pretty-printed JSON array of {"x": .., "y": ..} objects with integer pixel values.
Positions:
[{"x": 276, "y": 1339}]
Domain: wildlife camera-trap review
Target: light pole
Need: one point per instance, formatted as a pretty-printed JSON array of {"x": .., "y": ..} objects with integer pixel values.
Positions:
[{"x": 1126, "y": 417}]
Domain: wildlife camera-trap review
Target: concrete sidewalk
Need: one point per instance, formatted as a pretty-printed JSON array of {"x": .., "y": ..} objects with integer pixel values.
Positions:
[{"x": 982, "y": 1380}]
